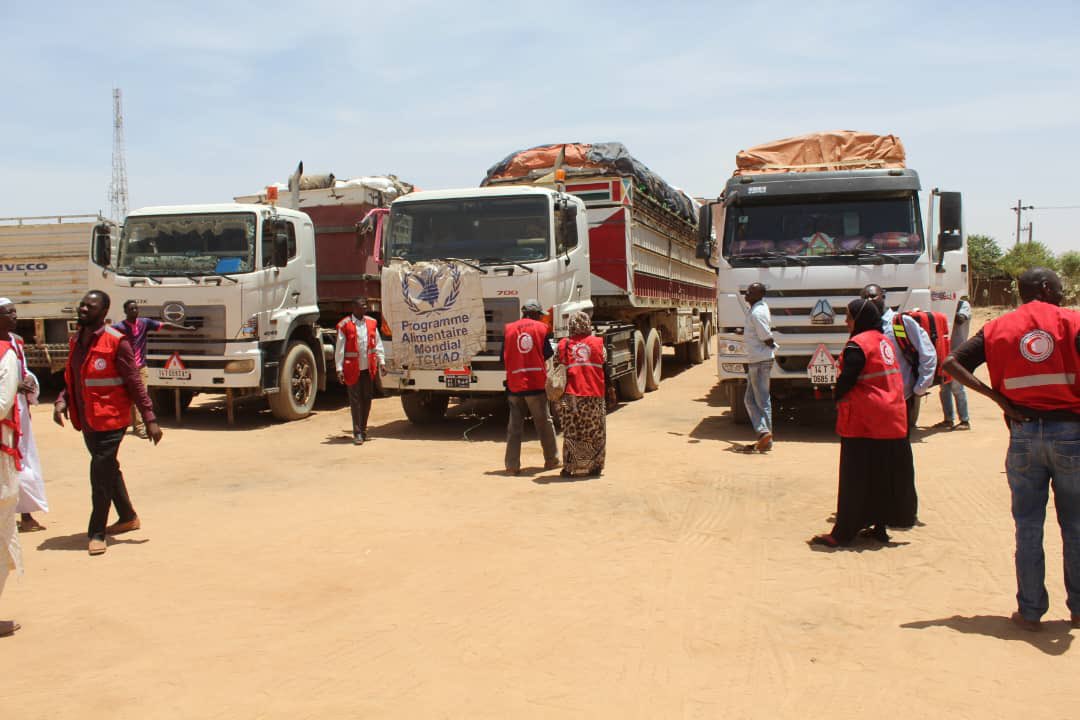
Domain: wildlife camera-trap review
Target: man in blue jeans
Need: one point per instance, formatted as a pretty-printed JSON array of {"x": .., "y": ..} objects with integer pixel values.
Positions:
[
  {"x": 1033, "y": 358},
  {"x": 760, "y": 353}
]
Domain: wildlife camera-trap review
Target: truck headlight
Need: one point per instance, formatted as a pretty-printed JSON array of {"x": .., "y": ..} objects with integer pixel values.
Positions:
[
  {"x": 732, "y": 347},
  {"x": 734, "y": 368},
  {"x": 239, "y": 366}
]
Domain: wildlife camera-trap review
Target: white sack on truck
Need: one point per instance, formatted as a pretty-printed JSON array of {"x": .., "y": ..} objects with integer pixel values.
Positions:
[
  {"x": 436, "y": 313},
  {"x": 821, "y": 152}
]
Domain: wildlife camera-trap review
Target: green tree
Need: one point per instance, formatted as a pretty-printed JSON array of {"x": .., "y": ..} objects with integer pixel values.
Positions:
[
  {"x": 1025, "y": 256},
  {"x": 1069, "y": 268},
  {"x": 984, "y": 256}
]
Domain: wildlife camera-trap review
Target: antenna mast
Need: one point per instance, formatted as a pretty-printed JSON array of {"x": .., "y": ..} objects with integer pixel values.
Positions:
[{"x": 118, "y": 192}]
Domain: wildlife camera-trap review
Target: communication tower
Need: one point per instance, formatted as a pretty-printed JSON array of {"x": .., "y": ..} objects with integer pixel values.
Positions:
[{"x": 118, "y": 191}]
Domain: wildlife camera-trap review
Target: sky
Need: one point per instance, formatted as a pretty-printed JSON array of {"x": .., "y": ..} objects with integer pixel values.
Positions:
[{"x": 221, "y": 99}]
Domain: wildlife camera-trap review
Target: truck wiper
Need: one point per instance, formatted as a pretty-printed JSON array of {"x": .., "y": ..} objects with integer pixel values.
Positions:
[
  {"x": 148, "y": 276},
  {"x": 230, "y": 278},
  {"x": 474, "y": 266},
  {"x": 500, "y": 261},
  {"x": 768, "y": 258},
  {"x": 861, "y": 253}
]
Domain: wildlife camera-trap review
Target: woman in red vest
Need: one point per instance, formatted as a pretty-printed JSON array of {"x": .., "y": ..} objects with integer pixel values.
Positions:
[
  {"x": 872, "y": 424},
  {"x": 583, "y": 410}
]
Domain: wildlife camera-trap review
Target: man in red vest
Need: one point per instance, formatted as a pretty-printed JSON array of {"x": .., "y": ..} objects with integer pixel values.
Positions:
[
  {"x": 359, "y": 356},
  {"x": 1033, "y": 358},
  {"x": 527, "y": 344},
  {"x": 101, "y": 380},
  {"x": 10, "y": 461}
]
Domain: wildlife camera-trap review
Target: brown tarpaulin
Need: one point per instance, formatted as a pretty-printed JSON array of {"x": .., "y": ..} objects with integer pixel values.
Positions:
[
  {"x": 542, "y": 158},
  {"x": 833, "y": 150}
]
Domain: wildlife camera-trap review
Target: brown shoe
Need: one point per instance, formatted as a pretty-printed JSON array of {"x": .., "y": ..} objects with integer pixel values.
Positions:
[
  {"x": 8, "y": 627},
  {"x": 552, "y": 464},
  {"x": 97, "y": 547},
  {"x": 764, "y": 442},
  {"x": 513, "y": 471},
  {"x": 1022, "y": 622},
  {"x": 118, "y": 527}
]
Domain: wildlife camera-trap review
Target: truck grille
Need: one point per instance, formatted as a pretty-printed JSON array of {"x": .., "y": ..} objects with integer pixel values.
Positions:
[{"x": 208, "y": 339}]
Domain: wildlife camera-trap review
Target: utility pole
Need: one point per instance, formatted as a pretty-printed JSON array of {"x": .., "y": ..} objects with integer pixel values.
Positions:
[
  {"x": 1031, "y": 232},
  {"x": 118, "y": 192},
  {"x": 1019, "y": 210}
]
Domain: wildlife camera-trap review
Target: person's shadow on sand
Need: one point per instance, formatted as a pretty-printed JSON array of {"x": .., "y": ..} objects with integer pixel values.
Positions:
[
  {"x": 1053, "y": 639},
  {"x": 78, "y": 541}
]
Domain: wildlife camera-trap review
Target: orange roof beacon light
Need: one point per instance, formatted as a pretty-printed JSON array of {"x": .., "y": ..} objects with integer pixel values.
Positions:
[{"x": 271, "y": 194}]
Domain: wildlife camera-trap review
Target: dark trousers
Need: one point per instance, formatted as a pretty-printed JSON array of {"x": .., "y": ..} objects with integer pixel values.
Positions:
[
  {"x": 360, "y": 396},
  {"x": 106, "y": 481}
]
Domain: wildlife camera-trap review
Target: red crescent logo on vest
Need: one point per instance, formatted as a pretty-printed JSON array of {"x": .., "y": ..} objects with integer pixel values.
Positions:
[
  {"x": 582, "y": 352},
  {"x": 887, "y": 353},
  {"x": 1037, "y": 346},
  {"x": 99, "y": 364},
  {"x": 524, "y": 343}
]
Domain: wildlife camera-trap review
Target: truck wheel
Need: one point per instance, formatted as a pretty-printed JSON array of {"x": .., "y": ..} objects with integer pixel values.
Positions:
[
  {"x": 736, "y": 399},
  {"x": 707, "y": 338},
  {"x": 654, "y": 351},
  {"x": 296, "y": 384},
  {"x": 699, "y": 348},
  {"x": 424, "y": 408},
  {"x": 632, "y": 385}
]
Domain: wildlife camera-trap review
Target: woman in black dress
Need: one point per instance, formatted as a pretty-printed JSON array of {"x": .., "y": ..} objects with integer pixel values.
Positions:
[{"x": 872, "y": 423}]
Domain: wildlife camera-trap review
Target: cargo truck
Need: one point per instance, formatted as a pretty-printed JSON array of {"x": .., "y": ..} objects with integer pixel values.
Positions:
[
  {"x": 815, "y": 219},
  {"x": 43, "y": 271},
  {"x": 577, "y": 227},
  {"x": 264, "y": 281}
]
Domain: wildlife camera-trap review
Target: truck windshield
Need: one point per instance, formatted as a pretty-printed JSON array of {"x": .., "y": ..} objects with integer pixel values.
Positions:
[
  {"x": 187, "y": 244},
  {"x": 489, "y": 230},
  {"x": 828, "y": 232}
]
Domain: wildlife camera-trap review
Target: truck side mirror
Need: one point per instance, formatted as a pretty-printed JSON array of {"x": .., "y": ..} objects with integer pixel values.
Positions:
[
  {"x": 949, "y": 241},
  {"x": 281, "y": 249},
  {"x": 949, "y": 212},
  {"x": 704, "y": 232},
  {"x": 101, "y": 245}
]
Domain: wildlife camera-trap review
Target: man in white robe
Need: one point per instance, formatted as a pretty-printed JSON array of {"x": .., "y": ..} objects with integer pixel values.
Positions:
[
  {"x": 31, "y": 483},
  {"x": 10, "y": 555}
]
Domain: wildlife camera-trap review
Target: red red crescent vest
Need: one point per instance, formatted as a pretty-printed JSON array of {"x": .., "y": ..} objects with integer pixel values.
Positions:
[
  {"x": 936, "y": 326},
  {"x": 875, "y": 407},
  {"x": 105, "y": 401},
  {"x": 584, "y": 361},
  {"x": 524, "y": 355},
  {"x": 350, "y": 366},
  {"x": 12, "y": 420},
  {"x": 1032, "y": 359}
]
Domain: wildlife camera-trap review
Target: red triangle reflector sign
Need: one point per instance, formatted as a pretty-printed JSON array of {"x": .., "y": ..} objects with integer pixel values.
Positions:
[{"x": 175, "y": 363}]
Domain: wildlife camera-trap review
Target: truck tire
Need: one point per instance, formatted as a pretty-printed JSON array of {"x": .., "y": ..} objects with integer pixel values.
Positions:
[
  {"x": 736, "y": 393},
  {"x": 707, "y": 338},
  {"x": 297, "y": 386},
  {"x": 632, "y": 385},
  {"x": 424, "y": 408},
  {"x": 699, "y": 348},
  {"x": 654, "y": 353}
]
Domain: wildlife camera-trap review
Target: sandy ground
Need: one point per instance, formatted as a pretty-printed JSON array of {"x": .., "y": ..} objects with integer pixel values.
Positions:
[{"x": 282, "y": 572}]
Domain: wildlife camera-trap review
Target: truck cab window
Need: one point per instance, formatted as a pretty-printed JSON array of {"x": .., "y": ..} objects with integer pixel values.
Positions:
[
  {"x": 566, "y": 235},
  {"x": 270, "y": 229}
]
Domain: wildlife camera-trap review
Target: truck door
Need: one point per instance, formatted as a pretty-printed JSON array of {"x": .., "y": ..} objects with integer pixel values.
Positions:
[
  {"x": 280, "y": 267},
  {"x": 572, "y": 290}
]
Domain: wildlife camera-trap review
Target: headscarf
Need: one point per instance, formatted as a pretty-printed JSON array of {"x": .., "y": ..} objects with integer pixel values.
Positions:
[
  {"x": 580, "y": 324},
  {"x": 865, "y": 314}
]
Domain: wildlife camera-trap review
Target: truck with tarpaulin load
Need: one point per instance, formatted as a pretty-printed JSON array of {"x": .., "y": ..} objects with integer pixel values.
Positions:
[
  {"x": 815, "y": 218},
  {"x": 576, "y": 227},
  {"x": 263, "y": 280}
]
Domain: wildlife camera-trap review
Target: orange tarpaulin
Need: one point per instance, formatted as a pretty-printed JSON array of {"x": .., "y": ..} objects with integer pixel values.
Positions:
[
  {"x": 833, "y": 150},
  {"x": 542, "y": 158}
]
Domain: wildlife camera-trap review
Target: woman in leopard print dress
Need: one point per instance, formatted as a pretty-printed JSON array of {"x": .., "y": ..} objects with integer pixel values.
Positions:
[{"x": 583, "y": 410}]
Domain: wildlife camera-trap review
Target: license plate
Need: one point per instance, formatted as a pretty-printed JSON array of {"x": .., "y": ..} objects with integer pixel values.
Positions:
[
  {"x": 457, "y": 381},
  {"x": 822, "y": 374},
  {"x": 170, "y": 374}
]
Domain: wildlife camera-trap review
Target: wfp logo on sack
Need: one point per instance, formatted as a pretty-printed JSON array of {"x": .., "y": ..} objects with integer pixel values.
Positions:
[{"x": 430, "y": 289}]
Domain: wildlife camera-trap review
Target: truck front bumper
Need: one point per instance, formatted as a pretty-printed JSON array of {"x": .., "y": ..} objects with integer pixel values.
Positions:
[
  {"x": 239, "y": 367},
  {"x": 480, "y": 382}
]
